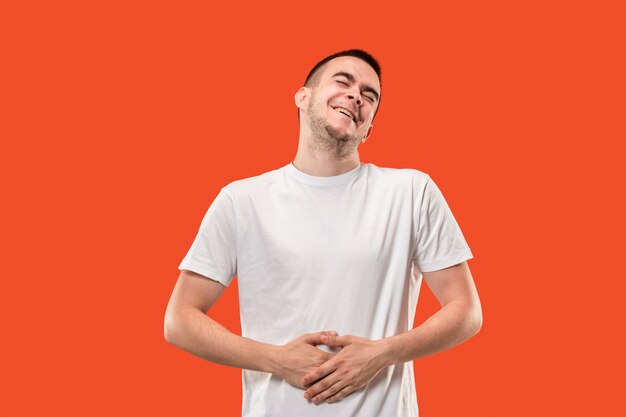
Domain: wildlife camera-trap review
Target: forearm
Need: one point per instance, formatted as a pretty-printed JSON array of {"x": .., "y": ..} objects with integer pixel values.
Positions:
[
  {"x": 451, "y": 325},
  {"x": 361, "y": 359},
  {"x": 198, "y": 334}
]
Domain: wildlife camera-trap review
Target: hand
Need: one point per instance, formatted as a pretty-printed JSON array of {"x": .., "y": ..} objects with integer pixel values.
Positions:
[
  {"x": 300, "y": 357},
  {"x": 355, "y": 365}
]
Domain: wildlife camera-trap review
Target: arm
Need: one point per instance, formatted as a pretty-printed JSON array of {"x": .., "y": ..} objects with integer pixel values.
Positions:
[
  {"x": 360, "y": 359},
  {"x": 459, "y": 318},
  {"x": 188, "y": 327}
]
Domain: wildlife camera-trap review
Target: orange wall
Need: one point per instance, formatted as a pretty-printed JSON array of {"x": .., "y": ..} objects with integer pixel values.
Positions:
[{"x": 121, "y": 121}]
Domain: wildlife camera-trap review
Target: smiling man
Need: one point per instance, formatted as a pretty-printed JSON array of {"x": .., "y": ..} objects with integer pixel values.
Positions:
[{"x": 329, "y": 254}]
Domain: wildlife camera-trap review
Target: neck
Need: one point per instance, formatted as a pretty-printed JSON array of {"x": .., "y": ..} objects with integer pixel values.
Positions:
[
  {"x": 325, "y": 157},
  {"x": 324, "y": 164}
]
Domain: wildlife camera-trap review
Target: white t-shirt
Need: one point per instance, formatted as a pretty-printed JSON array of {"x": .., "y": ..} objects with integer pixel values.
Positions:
[{"x": 320, "y": 253}]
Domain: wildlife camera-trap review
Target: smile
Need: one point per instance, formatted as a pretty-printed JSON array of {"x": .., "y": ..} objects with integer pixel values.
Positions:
[{"x": 345, "y": 112}]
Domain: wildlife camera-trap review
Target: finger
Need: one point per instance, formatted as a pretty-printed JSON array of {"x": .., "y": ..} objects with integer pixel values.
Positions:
[
  {"x": 336, "y": 341},
  {"x": 316, "y": 338},
  {"x": 324, "y": 389},
  {"x": 323, "y": 370},
  {"x": 342, "y": 393}
]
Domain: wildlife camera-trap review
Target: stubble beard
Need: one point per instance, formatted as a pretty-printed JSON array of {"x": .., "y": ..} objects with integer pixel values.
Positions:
[{"x": 326, "y": 138}]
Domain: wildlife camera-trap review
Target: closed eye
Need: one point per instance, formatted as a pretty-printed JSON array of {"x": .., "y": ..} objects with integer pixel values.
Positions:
[{"x": 371, "y": 99}]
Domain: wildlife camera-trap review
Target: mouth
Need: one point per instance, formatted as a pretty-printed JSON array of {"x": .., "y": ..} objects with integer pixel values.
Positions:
[{"x": 345, "y": 112}]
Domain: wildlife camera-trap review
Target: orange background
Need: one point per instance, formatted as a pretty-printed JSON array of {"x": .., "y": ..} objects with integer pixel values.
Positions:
[{"x": 120, "y": 122}]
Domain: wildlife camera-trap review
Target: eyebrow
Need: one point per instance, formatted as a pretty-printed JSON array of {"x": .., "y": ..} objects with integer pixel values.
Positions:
[{"x": 351, "y": 78}]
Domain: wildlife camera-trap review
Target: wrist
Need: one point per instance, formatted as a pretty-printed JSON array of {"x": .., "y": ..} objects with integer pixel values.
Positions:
[
  {"x": 388, "y": 354},
  {"x": 273, "y": 359}
]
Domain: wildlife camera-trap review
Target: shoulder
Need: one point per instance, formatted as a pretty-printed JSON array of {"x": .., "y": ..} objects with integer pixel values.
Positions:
[
  {"x": 251, "y": 185},
  {"x": 401, "y": 176}
]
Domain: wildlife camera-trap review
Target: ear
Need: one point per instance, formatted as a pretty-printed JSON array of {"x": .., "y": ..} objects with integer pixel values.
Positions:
[
  {"x": 367, "y": 135},
  {"x": 301, "y": 97}
]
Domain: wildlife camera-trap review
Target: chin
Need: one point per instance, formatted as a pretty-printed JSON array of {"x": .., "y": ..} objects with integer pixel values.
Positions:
[{"x": 340, "y": 135}]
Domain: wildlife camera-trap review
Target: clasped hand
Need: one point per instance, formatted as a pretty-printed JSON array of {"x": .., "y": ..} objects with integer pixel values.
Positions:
[{"x": 330, "y": 377}]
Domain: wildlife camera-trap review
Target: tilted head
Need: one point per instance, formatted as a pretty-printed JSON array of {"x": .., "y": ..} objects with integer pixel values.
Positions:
[{"x": 343, "y": 90}]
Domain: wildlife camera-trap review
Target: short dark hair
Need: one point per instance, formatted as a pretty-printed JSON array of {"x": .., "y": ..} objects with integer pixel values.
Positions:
[{"x": 311, "y": 79}]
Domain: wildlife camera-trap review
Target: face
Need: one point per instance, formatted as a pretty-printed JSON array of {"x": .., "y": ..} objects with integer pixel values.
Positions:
[{"x": 343, "y": 103}]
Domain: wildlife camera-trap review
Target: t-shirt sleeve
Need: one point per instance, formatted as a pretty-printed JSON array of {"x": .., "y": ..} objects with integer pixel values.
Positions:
[
  {"x": 213, "y": 252},
  {"x": 440, "y": 242}
]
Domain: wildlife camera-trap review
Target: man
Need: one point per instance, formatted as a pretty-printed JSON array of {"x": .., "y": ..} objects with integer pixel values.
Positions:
[{"x": 329, "y": 253}]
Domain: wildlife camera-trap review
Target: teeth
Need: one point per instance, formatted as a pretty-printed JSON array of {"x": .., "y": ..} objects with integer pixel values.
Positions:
[{"x": 344, "y": 111}]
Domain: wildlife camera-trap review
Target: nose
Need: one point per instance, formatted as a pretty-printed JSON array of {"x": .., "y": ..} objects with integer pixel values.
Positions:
[{"x": 357, "y": 97}]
